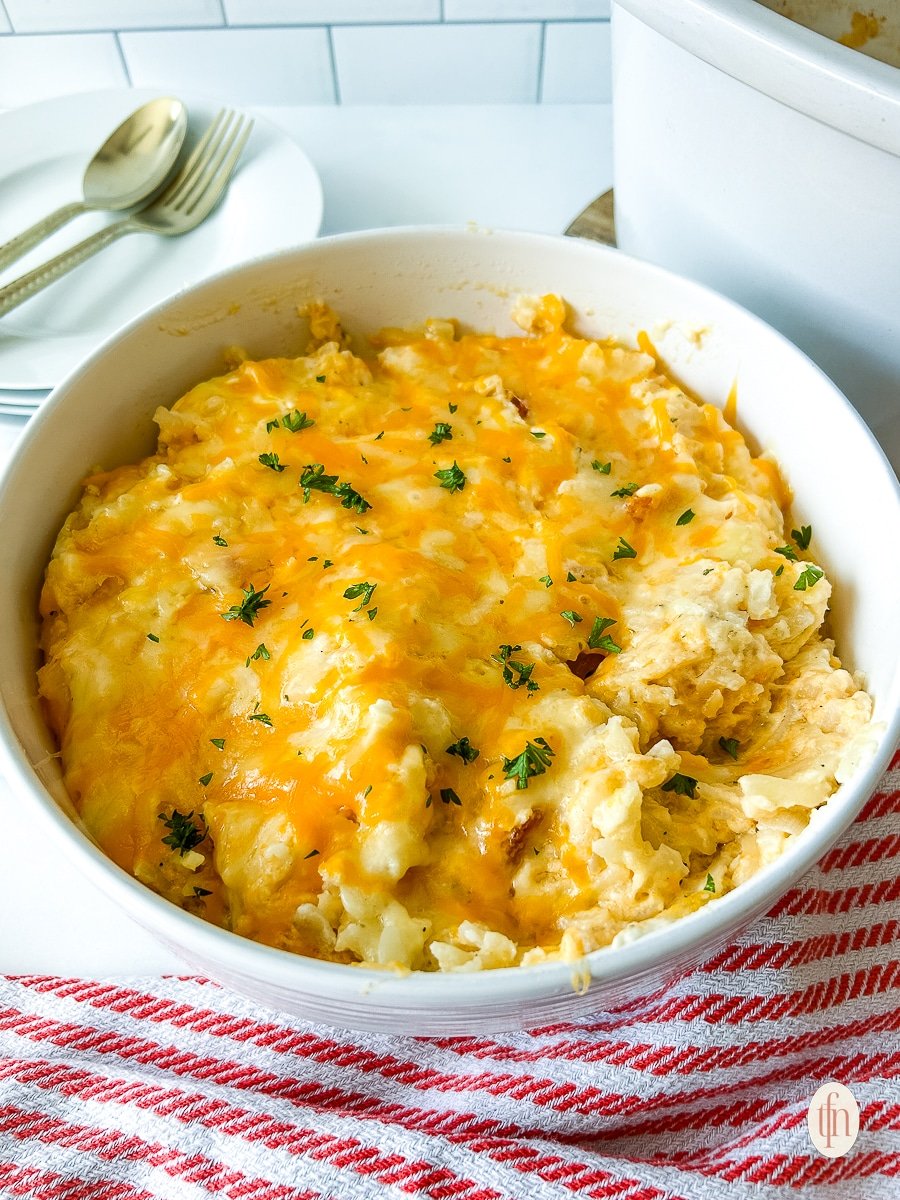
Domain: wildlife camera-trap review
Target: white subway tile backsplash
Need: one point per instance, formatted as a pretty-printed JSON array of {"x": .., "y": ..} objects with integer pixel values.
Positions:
[
  {"x": 524, "y": 10},
  {"x": 577, "y": 63},
  {"x": 242, "y": 66},
  {"x": 437, "y": 64},
  {"x": 36, "y": 67},
  {"x": 329, "y": 12},
  {"x": 57, "y": 16}
]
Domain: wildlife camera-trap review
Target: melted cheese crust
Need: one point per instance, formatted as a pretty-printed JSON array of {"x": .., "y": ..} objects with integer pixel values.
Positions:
[{"x": 309, "y": 744}]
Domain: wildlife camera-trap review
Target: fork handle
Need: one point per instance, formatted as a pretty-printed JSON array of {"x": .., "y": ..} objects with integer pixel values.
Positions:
[
  {"x": 35, "y": 281},
  {"x": 23, "y": 241}
]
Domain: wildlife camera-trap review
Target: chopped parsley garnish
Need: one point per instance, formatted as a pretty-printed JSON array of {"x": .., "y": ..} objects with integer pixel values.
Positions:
[
  {"x": 219, "y": 540},
  {"x": 442, "y": 433},
  {"x": 570, "y": 578},
  {"x": 249, "y": 607},
  {"x": 261, "y": 651},
  {"x": 453, "y": 408},
  {"x": 308, "y": 635},
  {"x": 465, "y": 750},
  {"x": 183, "y": 834},
  {"x": 546, "y": 581},
  {"x": 357, "y": 590},
  {"x": 603, "y": 468},
  {"x": 686, "y": 517},
  {"x": 730, "y": 746},
  {"x": 598, "y": 640},
  {"x": 534, "y": 760},
  {"x": 152, "y": 637},
  {"x": 538, "y": 433},
  {"x": 263, "y": 718},
  {"x": 359, "y": 529},
  {"x": 522, "y": 676},
  {"x": 204, "y": 779},
  {"x": 219, "y": 743},
  {"x": 809, "y": 576},
  {"x": 780, "y": 571},
  {"x": 320, "y": 379},
  {"x": 380, "y": 436},
  {"x": 372, "y": 613},
  {"x": 295, "y": 421},
  {"x": 326, "y": 564},
  {"x": 451, "y": 478},
  {"x": 788, "y": 551},
  {"x": 681, "y": 785},
  {"x": 366, "y": 792},
  {"x": 627, "y": 489},
  {"x": 365, "y": 460},
  {"x": 314, "y": 479},
  {"x": 450, "y": 797},
  {"x": 571, "y": 616},
  {"x": 624, "y": 550},
  {"x": 199, "y": 891},
  {"x": 802, "y": 536},
  {"x": 271, "y": 461},
  {"x": 507, "y": 460},
  {"x": 312, "y": 854},
  {"x": 710, "y": 885},
  {"x": 271, "y": 425}
]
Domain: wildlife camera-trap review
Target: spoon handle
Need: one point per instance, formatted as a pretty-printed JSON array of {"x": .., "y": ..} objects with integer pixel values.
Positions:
[
  {"x": 18, "y": 245},
  {"x": 35, "y": 281}
]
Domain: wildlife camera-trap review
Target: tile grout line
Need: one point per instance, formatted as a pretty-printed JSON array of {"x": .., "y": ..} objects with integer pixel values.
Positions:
[
  {"x": 8, "y": 17},
  {"x": 223, "y": 12},
  {"x": 336, "y": 83},
  {"x": 538, "y": 99},
  {"x": 123, "y": 60}
]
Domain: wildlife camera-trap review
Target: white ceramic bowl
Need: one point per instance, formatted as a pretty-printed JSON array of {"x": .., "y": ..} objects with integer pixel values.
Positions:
[
  {"x": 763, "y": 159},
  {"x": 102, "y": 414}
]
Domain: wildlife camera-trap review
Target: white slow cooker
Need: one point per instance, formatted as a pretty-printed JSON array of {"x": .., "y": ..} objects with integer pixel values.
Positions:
[{"x": 763, "y": 158}]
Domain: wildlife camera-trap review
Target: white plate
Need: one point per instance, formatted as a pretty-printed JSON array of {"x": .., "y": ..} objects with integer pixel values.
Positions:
[{"x": 274, "y": 201}]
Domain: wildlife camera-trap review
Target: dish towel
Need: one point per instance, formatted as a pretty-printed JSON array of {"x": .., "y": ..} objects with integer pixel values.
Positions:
[{"x": 174, "y": 1088}]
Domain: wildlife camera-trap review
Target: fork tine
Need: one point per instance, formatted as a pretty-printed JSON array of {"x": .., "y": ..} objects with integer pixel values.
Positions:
[
  {"x": 206, "y": 200},
  {"x": 197, "y": 157},
  {"x": 209, "y": 168}
]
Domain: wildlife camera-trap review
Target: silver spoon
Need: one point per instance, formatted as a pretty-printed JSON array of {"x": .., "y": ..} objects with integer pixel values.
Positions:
[{"x": 130, "y": 165}]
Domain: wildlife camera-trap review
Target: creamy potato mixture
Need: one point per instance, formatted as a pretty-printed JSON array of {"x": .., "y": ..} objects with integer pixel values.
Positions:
[{"x": 471, "y": 652}]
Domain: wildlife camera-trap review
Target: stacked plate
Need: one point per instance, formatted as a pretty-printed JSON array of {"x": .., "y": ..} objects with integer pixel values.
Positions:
[{"x": 274, "y": 201}]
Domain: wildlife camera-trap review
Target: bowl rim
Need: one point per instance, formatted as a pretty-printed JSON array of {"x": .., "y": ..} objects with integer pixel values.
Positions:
[{"x": 648, "y": 952}]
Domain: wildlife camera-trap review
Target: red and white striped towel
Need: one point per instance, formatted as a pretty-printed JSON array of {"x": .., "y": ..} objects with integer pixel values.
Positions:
[{"x": 175, "y": 1088}]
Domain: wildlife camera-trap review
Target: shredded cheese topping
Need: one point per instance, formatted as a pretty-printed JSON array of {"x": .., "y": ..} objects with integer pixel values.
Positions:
[{"x": 470, "y": 653}]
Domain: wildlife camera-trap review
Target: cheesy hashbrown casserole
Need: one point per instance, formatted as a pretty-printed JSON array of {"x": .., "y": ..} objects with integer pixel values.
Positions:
[{"x": 472, "y": 652}]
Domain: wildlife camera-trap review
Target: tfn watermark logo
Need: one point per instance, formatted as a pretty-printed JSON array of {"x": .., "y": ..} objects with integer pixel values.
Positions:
[{"x": 833, "y": 1120}]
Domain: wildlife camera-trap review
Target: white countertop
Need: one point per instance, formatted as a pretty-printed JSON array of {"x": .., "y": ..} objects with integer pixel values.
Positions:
[{"x": 504, "y": 166}]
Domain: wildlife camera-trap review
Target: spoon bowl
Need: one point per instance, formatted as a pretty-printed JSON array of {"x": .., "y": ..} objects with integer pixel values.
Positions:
[{"x": 137, "y": 157}]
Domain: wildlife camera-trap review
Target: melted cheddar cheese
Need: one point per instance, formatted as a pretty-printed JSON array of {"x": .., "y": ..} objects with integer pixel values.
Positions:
[{"x": 468, "y": 653}]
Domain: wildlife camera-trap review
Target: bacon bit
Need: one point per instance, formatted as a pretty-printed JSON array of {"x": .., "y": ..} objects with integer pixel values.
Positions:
[
  {"x": 515, "y": 842},
  {"x": 586, "y": 663},
  {"x": 520, "y": 406}
]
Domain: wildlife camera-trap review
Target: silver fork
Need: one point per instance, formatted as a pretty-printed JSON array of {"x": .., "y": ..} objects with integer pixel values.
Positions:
[{"x": 186, "y": 201}]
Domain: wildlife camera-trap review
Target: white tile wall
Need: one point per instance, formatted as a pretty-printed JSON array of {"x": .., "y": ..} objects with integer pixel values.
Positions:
[
  {"x": 310, "y": 51},
  {"x": 518, "y": 10},
  {"x": 437, "y": 64},
  {"x": 243, "y": 66},
  {"x": 35, "y": 67},
  {"x": 576, "y": 63},
  {"x": 58, "y": 16},
  {"x": 329, "y": 12}
]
